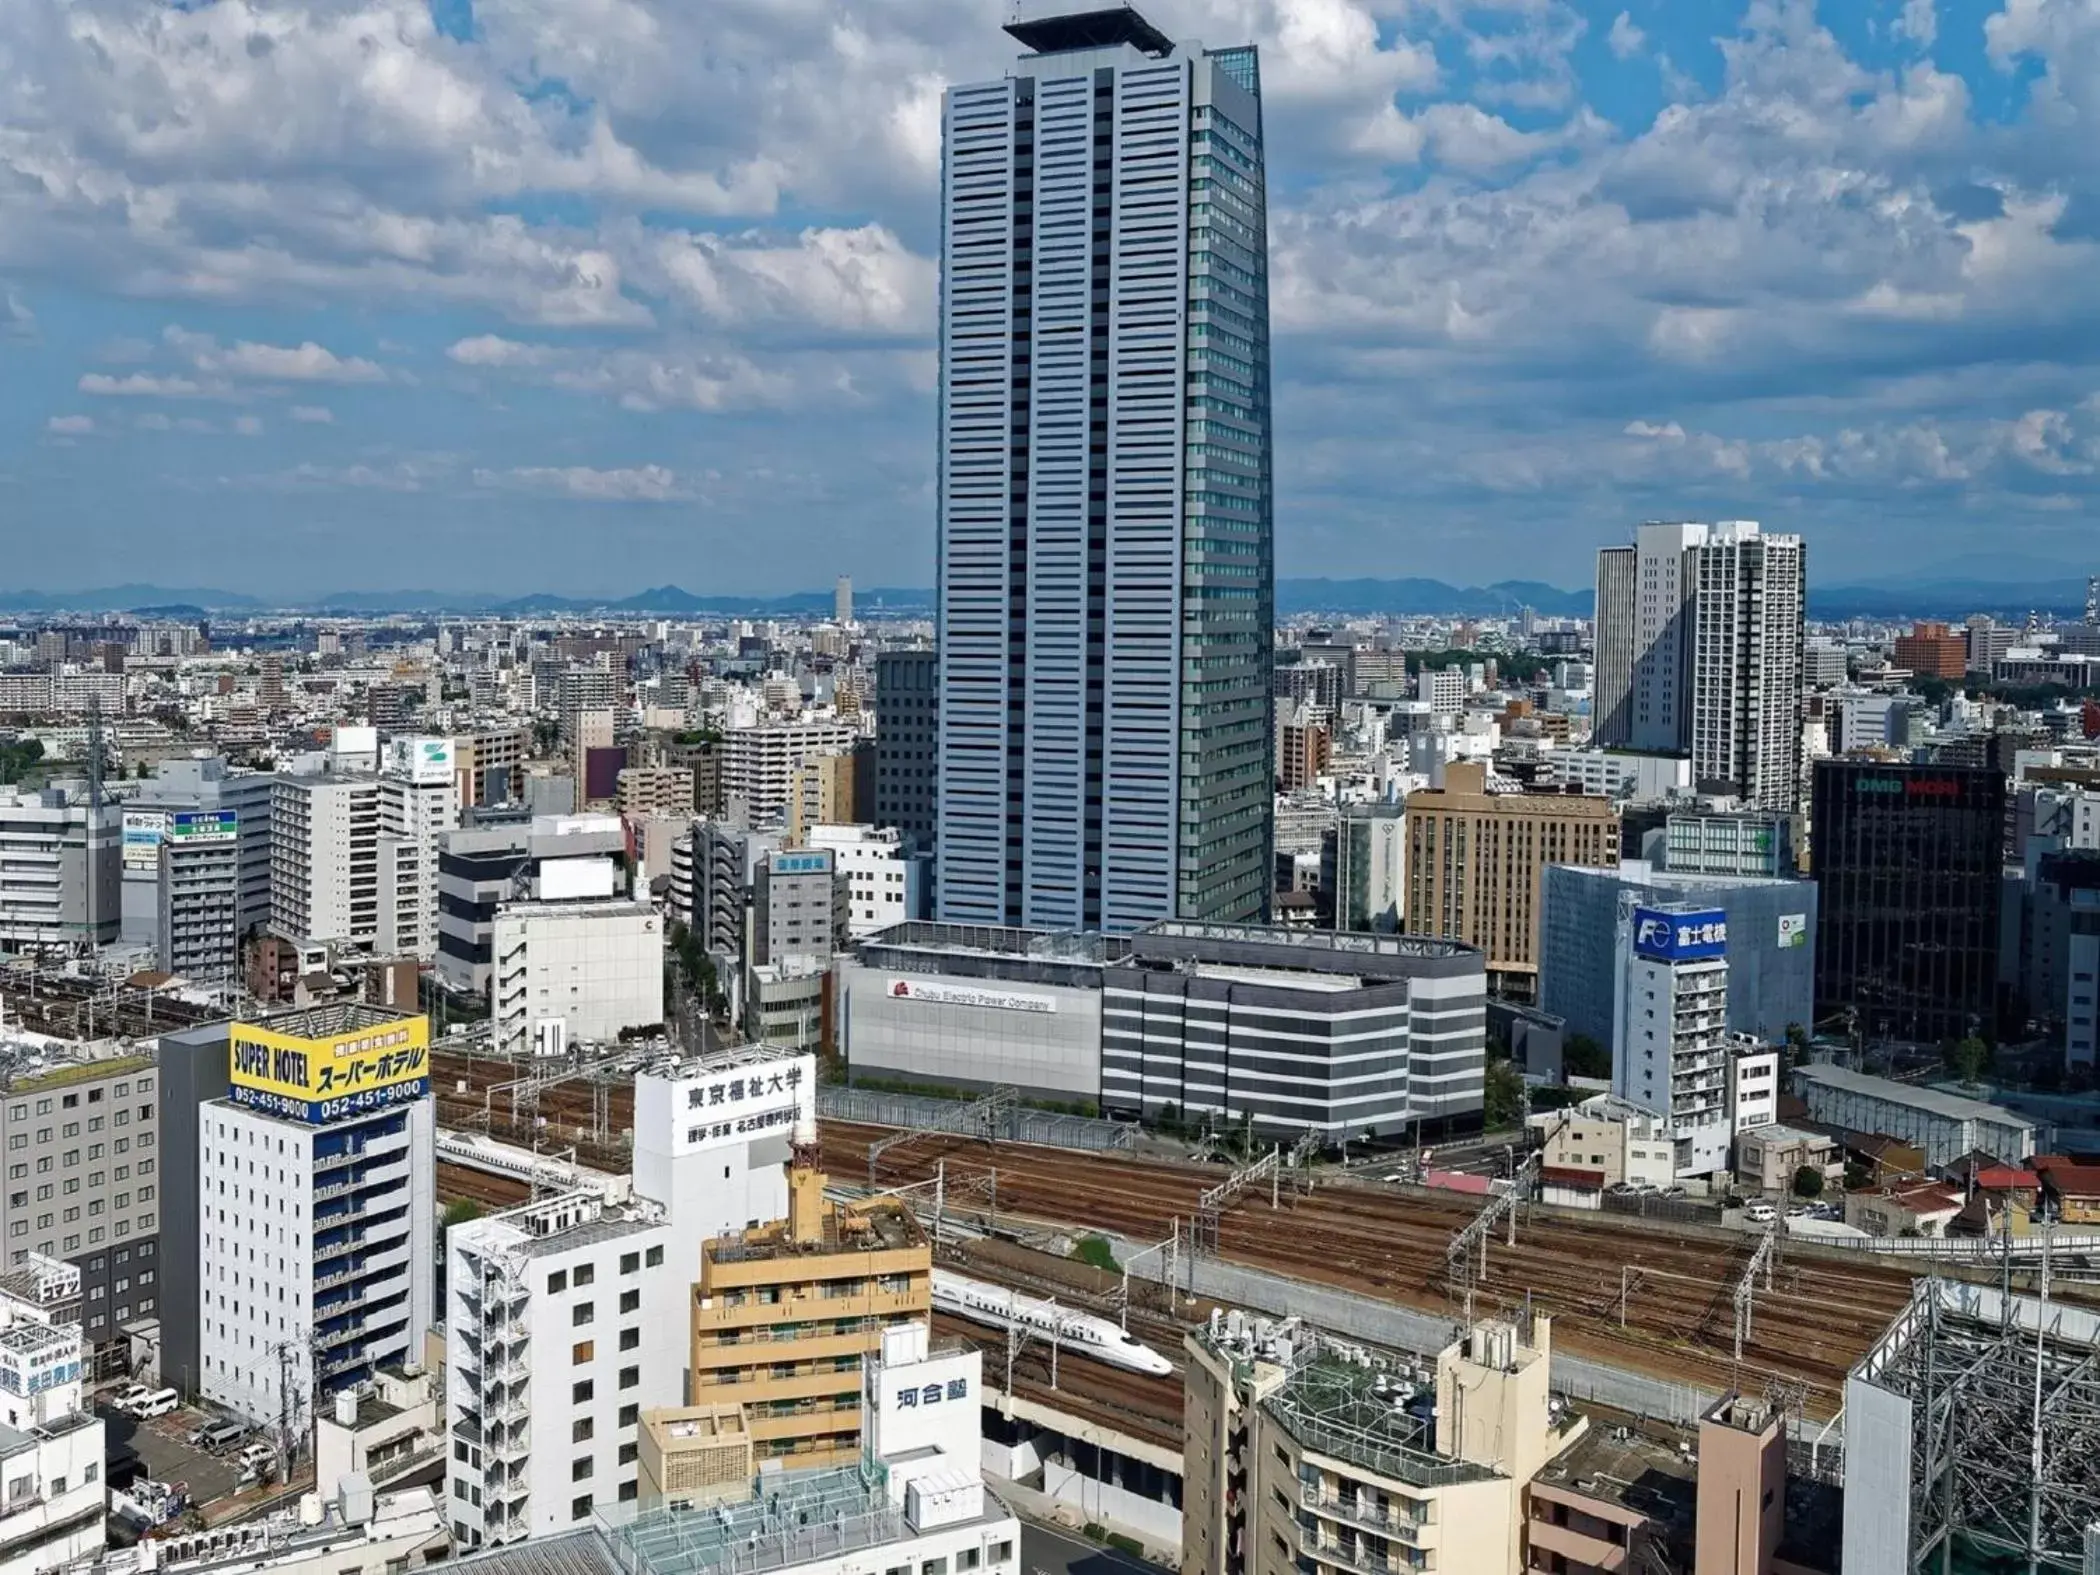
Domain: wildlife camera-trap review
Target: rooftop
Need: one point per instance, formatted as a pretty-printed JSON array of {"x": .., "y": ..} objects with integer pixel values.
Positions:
[
  {"x": 27, "y": 1074},
  {"x": 1649, "y": 1475},
  {"x": 1050, "y": 27},
  {"x": 877, "y": 1225},
  {"x": 336, "y": 1017}
]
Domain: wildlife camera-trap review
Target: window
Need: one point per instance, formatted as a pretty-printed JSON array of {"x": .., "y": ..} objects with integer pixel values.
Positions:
[
  {"x": 586, "y": 1274},
  {"x": 630, "y": 1339},
  {"x": 581, "y": 1314},
  {"x": 937, "y": 1566},
  {"x": 629, "y": 1453},
  {"x": 557, "y": 1282},
  {"x": 967, "y": 1559},
  {"x": 629, "y": 1262},
  {"x": 630, "y": 1377},
  {"x": 580, "y": 1507},
  {"x": 630, "y": 1301},
  {"x": 582, "y": 1351},
  {"x": 581, "y": 1429},
  {"x": 580, "y": 1469},
  {"x": 581, "y": 1391},
  {"x": 629, "y": 1492},
  {"x": 656, "y": 1257},
  {"x": 629, "y": 1415}
]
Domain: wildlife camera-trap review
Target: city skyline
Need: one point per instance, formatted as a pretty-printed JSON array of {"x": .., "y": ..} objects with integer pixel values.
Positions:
[{"x": 1539, "y": 278}]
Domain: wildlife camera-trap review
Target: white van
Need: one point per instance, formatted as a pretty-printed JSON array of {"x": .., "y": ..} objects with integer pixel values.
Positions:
[
  {"x": 1760, "y": 1211},
  {"x": 257, "y": 1457},
  {"x": 158, "y": 1403}
]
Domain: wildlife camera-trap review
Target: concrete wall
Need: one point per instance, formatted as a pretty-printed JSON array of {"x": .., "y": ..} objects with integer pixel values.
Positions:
[{"x": 1050, "y": 1054}]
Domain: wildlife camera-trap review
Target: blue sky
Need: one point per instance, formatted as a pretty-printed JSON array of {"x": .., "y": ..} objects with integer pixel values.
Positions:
[{"x": 588, "y": 295}]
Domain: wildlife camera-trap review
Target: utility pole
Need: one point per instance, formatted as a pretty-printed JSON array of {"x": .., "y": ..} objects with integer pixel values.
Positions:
[{"x": 287, "y": 1356}]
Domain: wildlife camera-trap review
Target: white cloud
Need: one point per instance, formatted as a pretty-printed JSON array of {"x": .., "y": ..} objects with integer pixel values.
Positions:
[
  {"x": 1919, "y": 22},
  {"x": 313, "y": 415},
  {"x": 302, "y": 363},
  {"x": 1625, "y": 38},
  {"x": 139, "y": 385},
  {"x": 248, "y": 426},
  {"x": 493, "y": 350},
  {"x": 70, "y": 426},
  {"x": 643, "y": 484},
  {"x": 17, "y": 321}
]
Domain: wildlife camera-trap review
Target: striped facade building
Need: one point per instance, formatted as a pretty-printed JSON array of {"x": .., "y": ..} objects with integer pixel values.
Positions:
[
  {"x": 1106, "y": 511},
  {"x": 1351, "y": 1035}
]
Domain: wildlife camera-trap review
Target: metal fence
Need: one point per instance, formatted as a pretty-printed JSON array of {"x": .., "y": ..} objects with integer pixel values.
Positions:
[
  {"x": 1647, "y": 1206},
  {"x": 923, "y": 1113}
]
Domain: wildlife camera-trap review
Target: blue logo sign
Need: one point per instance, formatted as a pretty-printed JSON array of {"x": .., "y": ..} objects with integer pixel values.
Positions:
[{"x": 1679, "y": 937}]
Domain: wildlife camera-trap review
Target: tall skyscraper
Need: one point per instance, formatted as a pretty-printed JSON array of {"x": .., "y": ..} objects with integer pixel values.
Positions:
[
  {"x": 842, "y": 601},
  {"x": 1700, "y": 650},
  {"x": 1107, "y": 595}
]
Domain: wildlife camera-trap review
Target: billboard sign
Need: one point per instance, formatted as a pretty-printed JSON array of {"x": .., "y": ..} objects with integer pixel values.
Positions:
[
  {"x": 424, "y": 761},
  {"x": 143, "y": 831},
  {"x": 1679, "y": 937},
  {"x": 735, "y": 1103},
  {"x": 205, "y": 825},
  {"x": 319, "y": 1080},
  {"x": 966, "y": 995},
  {"x": 1793, "y": 931}
]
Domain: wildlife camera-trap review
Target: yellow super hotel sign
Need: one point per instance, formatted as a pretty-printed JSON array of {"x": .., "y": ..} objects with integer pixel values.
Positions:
[{"x": 322, "y": 1079}]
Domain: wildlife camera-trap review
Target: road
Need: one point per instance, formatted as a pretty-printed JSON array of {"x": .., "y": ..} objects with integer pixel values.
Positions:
[{"x": 1060, "y": 1553}]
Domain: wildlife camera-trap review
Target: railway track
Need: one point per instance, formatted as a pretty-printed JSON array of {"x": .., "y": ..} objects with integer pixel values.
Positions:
[
  {"x": 465, "y": 1184},
  {"x": 1819, "y": 1317}
]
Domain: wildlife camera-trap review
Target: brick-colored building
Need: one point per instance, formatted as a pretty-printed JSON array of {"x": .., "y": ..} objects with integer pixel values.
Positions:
[{"x": 1932, "y": 650}]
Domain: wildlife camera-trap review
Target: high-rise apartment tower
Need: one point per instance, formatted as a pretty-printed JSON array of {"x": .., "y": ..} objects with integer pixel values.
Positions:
[
  {"x": 1700, "y": 651},
  {"x": 1106, "y": 515}
]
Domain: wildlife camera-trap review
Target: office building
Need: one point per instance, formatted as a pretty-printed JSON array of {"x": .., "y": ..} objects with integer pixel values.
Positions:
[
  {"x": 1475, "y": 859},
  {"x": 418, "y": 804},
  {"x": 565, "y": 1317},
  {"x": 1672, "y": 1053},
  {"x": 1364, "y": 868},
  {"x": 317, "y": 1209},
  {"x": 61, "y": 885},
  {"x": 785, "y": 1003},
  {"x": 198, "y": 785},
  {"x": 1931, "y": 650},
  {"x": 1908, "y": 866},
  {"x": 548, "y": 858},
  {"x": 584, "y": 695},
  {"x": 1293, "y": 1030},
  {"x": 842, "y": 601},
  {"x": 56, "y": 1501},
  {"x": 726, "y": 861},
  {"x": 568, "y": 974},
  {"x": 84, "y": 1177},
  {"x": 800, "y": 906},
  {"x": 1771, "y": 943},
  {"x": 1304, "y": 750},
  {"x": 198, "y": 931},
  {"x": 884, "y": 877},
  {"x": 1105, "y": 482},
  {"x": 1700, "y": 653},
  {"x": 967, "y": 1006},
  {"x": 490, "y": 765},
  {"x": 1738, "y": 842},
  {"x": 907, "y": 740},
  {"x": 1825, "y": 664},
  {"x": 784, "y": 1315},
  {"x": 759, "y": 762},
  {"x": 1621, "y": 775}
]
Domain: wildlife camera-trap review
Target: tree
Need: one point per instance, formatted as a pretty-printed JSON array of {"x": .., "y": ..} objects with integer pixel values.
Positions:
[
  {"x": 1504, "y": 1094},
  {"x": 1808, "y": 1182},
  {"x": 460, "y": 1210},
  {"x": 1582, "y": 1056},
  {"x": 1970, "y": 1058}
]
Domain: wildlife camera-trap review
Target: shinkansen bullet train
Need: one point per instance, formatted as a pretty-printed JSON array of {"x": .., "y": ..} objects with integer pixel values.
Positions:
[{"x": 1004, "y": 1309}]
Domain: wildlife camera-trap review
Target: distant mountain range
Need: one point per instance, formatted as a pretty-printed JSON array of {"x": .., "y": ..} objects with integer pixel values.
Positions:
[{"x": 1948, "y": 591}]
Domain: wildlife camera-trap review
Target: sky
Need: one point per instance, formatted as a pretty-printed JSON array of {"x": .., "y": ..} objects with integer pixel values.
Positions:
[{"x": 299, "y": 296}]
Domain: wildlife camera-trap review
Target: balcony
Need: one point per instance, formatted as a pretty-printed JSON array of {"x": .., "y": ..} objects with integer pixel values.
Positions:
[
  {"x": 510, "y": 1444},
  {"x": 1361, "y": 1513},
  {"x": 1346, "y": 1556}
]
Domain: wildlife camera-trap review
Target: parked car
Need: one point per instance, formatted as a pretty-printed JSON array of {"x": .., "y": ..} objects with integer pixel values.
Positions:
[
  {"x": 1675, "y": 1194},
  {"x": 217, "y": 1435},
  {"x": 159, "y": 1403},
  {"x": 1760, "y": 1211},
  {"x": 1623, "y": 1189},
  {"x": 127, "y": 1397},
  {"x": 1800, "y": 1211}
]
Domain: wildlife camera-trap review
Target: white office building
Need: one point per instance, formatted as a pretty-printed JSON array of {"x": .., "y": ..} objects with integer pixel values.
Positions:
[
  {"x": 199, "y": 896},
  {"x": 324, "y": 857},
  {"x": 565, "y": 1317},
  {"x": 1670, "y": 1047},
  {"x": 550, "y": 858},
  {"x": 571, "y": 972},
  {"x": 759, "y": 761},
  {"x": 884, "y": 880},
  {"x": 418, "y": 804},
  {"x": 1622, "y": 774},
  {"x": 51, "y": 1446},
  {"x": 316, "y": 1208},
  {"x": 60, "y": 885}
]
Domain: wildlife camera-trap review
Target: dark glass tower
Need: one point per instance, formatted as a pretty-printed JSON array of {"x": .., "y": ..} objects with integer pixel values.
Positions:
[
  {"x": 1908, "y": 863},
  {"x": 1107, "y": 598}
]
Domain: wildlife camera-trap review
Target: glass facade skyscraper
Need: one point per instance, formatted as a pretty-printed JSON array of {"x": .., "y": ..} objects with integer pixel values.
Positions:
[{"x": 1107, "y": 576}]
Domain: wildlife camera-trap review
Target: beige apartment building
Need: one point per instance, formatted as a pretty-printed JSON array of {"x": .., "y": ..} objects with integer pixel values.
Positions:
[
  {"x": 1475, "y": 861},
  {"x": 783, "y": 1315}
]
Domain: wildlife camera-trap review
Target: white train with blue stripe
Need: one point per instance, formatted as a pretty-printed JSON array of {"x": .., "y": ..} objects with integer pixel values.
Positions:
[{"x": 1001, "y": 1308}]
